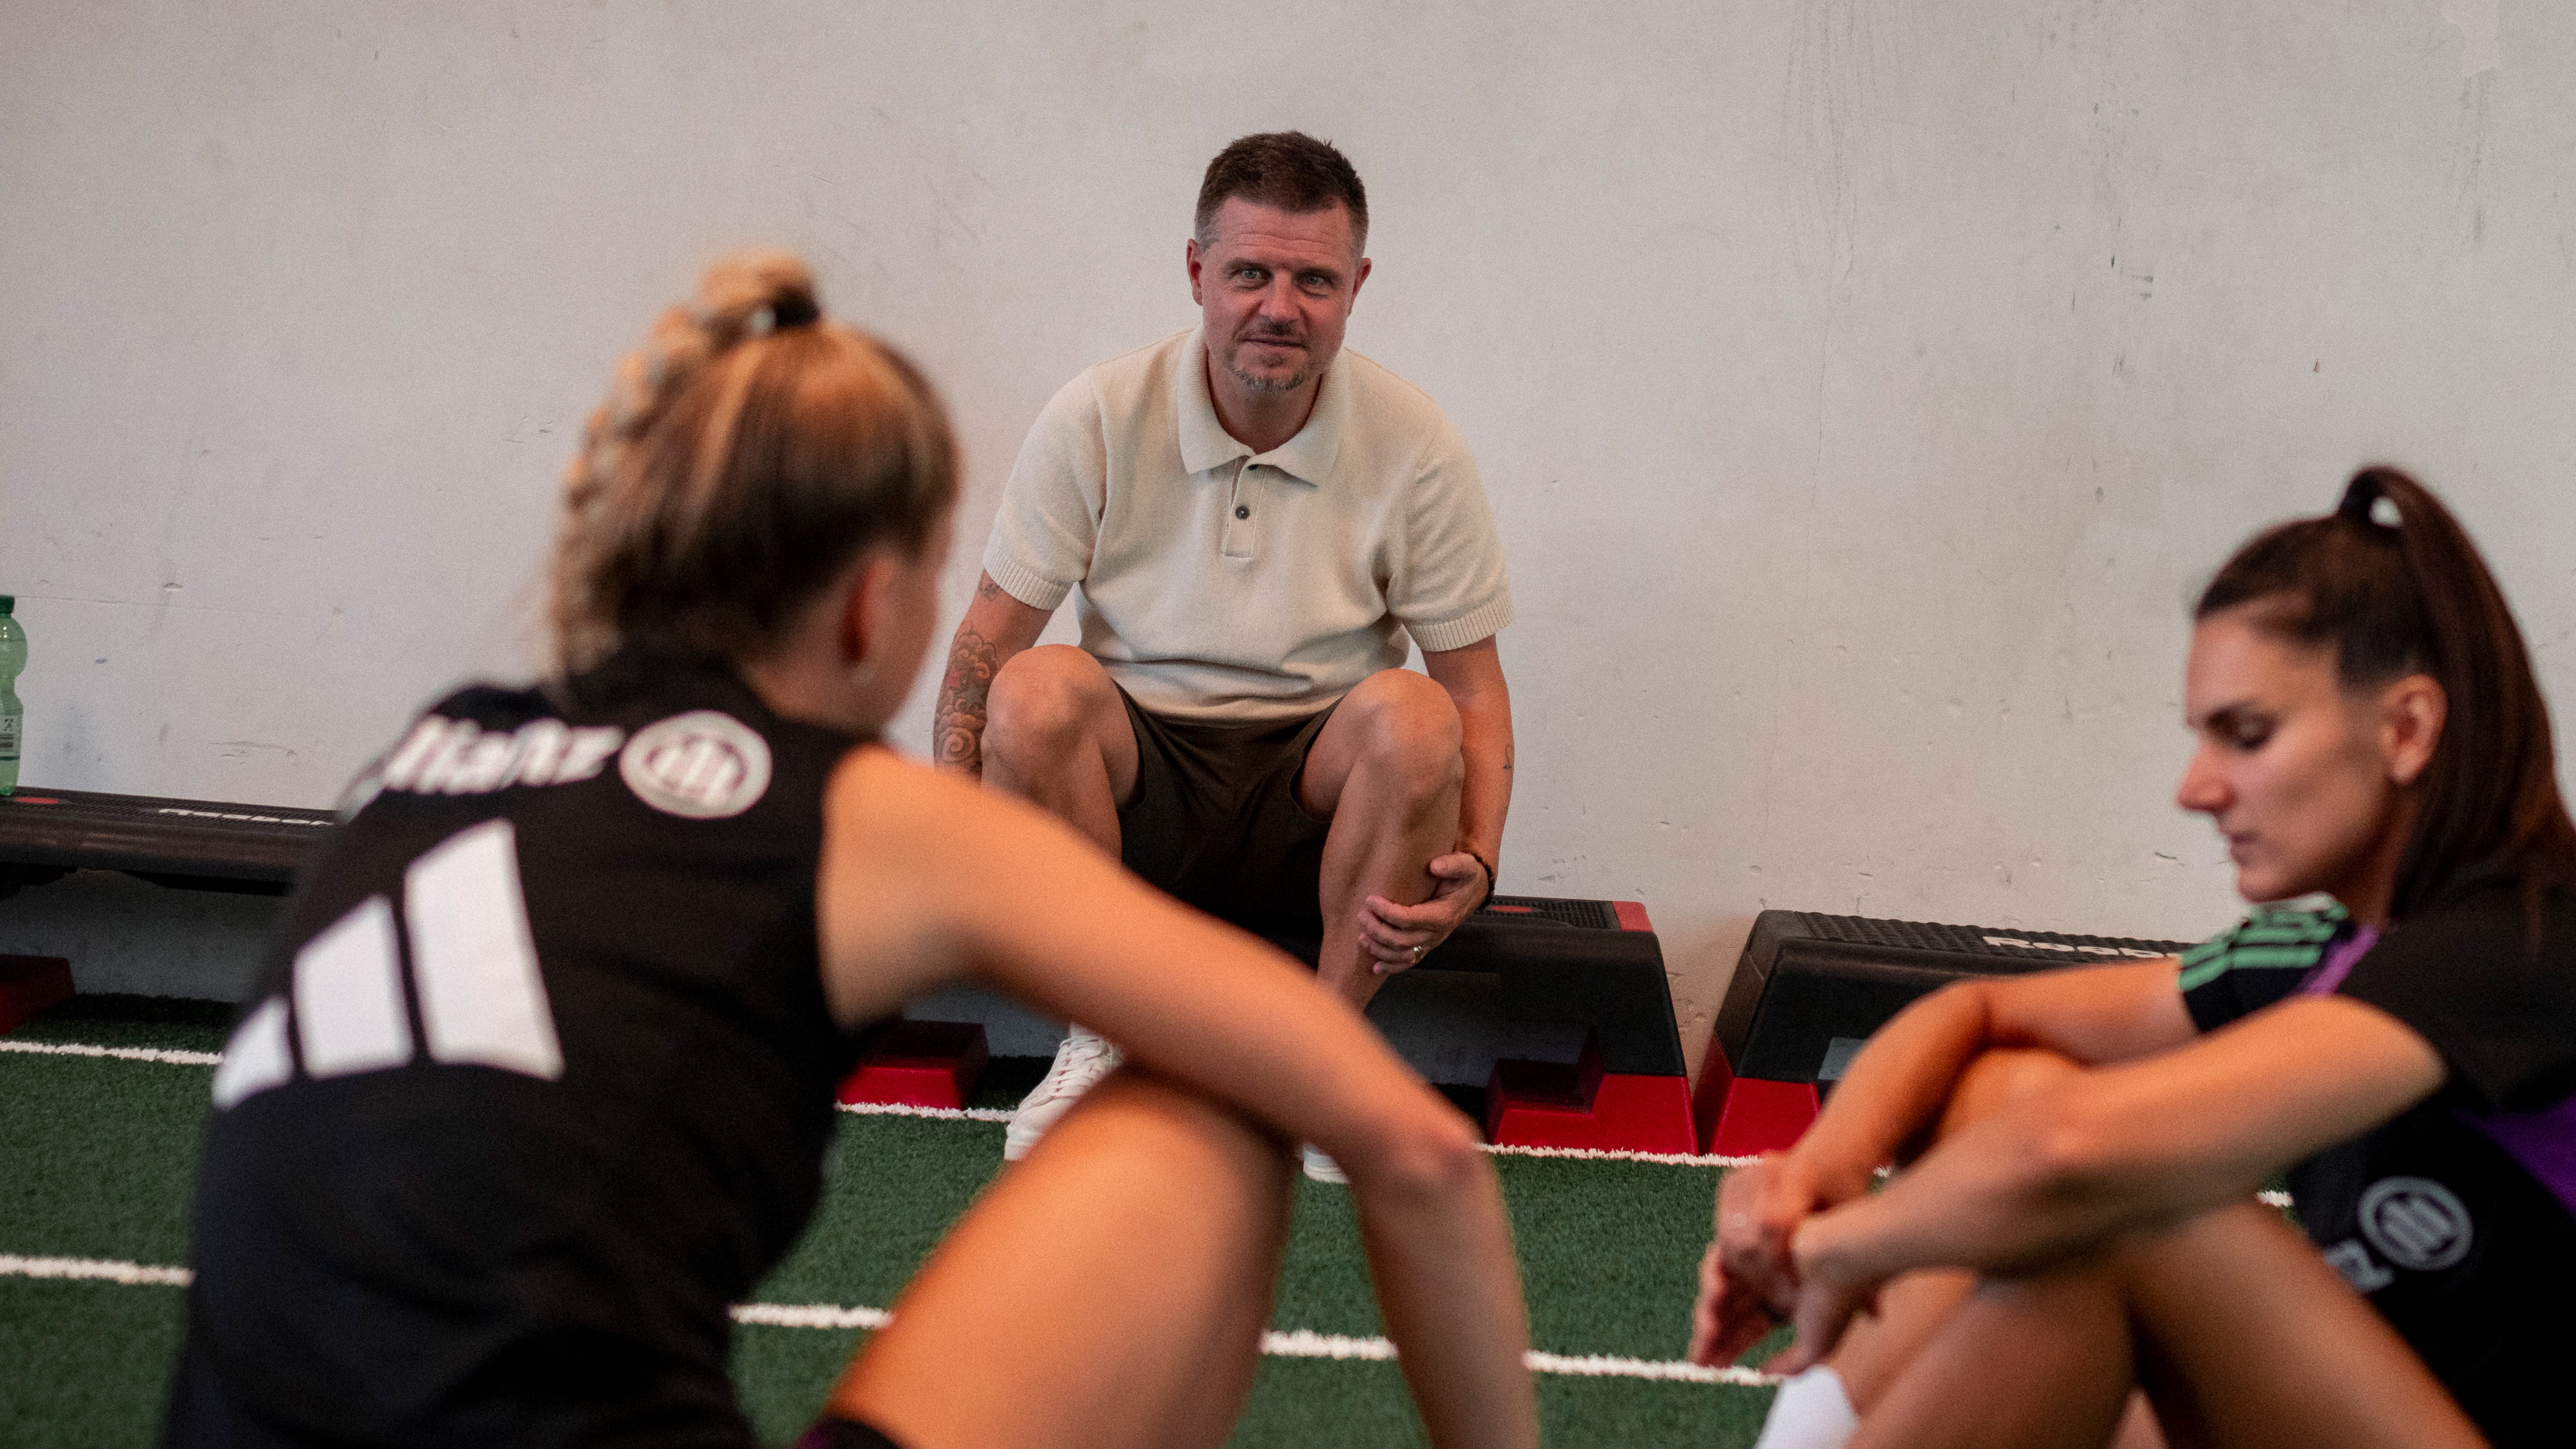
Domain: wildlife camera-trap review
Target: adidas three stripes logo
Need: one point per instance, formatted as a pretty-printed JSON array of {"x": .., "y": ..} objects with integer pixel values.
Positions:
[{"x": 474, "y": 967}]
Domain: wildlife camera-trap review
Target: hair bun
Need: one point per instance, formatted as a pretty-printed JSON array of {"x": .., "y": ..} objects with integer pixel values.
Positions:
[{"x": 749, "y": 293}]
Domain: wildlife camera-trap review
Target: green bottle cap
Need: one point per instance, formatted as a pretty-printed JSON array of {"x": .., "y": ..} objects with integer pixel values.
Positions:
[{"x": 8, "y": 603}]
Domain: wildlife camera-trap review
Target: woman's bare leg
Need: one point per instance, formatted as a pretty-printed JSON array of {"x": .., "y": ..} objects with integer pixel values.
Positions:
[
  {"x": 1110, "y": 1290},
  {"x": 2019, "y": 1364},
  {"x": 1911, "y": 1309},
  {"x": 2240, "y": 1333},
  {"x": 2205, "y": 1307},
  {"x": 2246, "y": 1337}
]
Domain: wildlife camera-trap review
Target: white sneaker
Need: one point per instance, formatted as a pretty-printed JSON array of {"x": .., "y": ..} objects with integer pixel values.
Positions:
[
  {"x": 1811, "y": 1411},
  {"x": 1324, "y": 1169},
  {"x": 1080, "y": 1063}
]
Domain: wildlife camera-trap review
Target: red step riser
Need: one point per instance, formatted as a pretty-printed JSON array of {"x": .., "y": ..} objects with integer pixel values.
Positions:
[
  {"x": 929, "y": 1084},
  {"x": 919, "y": 1064},
  {"x": 1629, "y": 1113},
  {"x": 1754, "y": 1115},
  {"x": 30, "y": 985},
  {"x": 1740, "y": 1116}
]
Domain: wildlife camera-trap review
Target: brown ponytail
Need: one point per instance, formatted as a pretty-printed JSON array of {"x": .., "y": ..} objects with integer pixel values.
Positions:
[
  {"x": 2392, "y": 583},
  {"x": 746, "y": 453}
]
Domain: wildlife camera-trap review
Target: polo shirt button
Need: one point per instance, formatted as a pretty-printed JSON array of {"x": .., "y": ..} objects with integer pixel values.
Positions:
[{"x": 1242, "y": 511}]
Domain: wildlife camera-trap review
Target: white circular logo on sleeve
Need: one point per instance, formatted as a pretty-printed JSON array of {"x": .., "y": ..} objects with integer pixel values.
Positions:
[
  {"x": 704, "y": 765},
  {"x": 2416, "y": 1223}
]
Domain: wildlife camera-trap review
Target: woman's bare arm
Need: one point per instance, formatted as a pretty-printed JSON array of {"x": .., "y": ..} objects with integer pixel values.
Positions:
[
  {"x": 1890, "y": 1098},
  {"x": 2134, "y": 1145},
  {"x": 1895, "y": 1088},
  {"x": 927, "y": 878},
  {"x": 2137, "y": 1143}
]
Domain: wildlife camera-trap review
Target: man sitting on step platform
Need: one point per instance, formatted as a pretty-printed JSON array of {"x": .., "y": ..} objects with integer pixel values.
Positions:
[{"x": 1255, "y": 520}]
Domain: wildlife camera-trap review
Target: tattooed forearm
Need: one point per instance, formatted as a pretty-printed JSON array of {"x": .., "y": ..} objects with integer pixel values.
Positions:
[{"x": 957, "y": 731}]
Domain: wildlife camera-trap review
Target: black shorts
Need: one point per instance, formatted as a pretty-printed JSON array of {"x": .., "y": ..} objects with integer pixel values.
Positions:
[{"x": 1215, "y": 820}]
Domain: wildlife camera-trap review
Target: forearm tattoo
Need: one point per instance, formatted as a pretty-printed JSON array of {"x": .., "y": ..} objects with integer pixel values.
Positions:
[{"x": 957, "y": 730}]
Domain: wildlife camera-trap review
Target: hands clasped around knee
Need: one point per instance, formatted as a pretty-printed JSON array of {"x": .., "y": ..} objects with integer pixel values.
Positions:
[
  {"x": 1397, "y": 936},
  {"x": 1753, "y": 1277}
]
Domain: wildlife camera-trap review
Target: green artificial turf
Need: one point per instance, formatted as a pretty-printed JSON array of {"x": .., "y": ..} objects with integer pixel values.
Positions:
[
  {"x": 100, "y": 1156},
  {"x": 83, "y": 1365},
  {"x": 97, "y": 1156}
]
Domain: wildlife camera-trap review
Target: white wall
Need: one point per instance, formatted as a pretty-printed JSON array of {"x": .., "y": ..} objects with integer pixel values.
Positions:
[{"x": 1862, "y": 385}]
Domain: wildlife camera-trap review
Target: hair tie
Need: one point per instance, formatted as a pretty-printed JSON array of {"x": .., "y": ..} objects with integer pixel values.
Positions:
[
  {"x": 2364, "y": 503},
  {"x": 793, "y": 310}
]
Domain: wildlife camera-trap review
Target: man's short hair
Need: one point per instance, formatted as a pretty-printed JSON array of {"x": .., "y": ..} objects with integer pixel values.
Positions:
[{"x": 1289, "y": 170}]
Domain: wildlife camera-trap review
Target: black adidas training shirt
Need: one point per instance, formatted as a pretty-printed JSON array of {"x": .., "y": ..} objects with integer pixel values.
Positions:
[{"x": 537, "y": 1080}]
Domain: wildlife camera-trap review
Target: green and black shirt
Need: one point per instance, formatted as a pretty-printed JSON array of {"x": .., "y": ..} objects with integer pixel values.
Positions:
[{"x": 2457, "y": 1219}]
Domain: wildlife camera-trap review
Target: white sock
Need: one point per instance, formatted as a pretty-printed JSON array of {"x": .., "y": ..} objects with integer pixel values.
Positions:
[{"x": 1811, "y": 1411}]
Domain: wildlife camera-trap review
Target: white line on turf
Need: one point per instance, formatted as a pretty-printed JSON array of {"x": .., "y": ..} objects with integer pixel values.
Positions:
[
  {"x": 1604, "y": 1154},
  {"x": 811, "y": 1315},
  {"x": 977, "y": 1114},
  {"x": 1598, "y": 1365},
  {"x": 1579, "y": 1154},
  {"x": 1295, "y": 1343},
  {"x": 945, "y": 1114},
  {"x": 900, "y": 1109},
  {"x": 108, "y": 1270},
  {"x": 129, "y": 1054},
  {"x": 1307, "y": 1343}
]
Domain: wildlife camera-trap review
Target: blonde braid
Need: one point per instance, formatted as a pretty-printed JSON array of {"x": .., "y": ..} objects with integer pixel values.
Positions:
[{"x": 743, "y": 297}]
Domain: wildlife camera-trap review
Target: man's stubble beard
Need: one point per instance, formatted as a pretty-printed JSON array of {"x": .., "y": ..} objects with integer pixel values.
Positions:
[{"x": 1254, "y": 382}]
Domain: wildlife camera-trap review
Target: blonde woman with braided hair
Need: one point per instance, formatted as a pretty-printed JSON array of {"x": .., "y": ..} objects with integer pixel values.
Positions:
[{"x": 538, "y": 1077}]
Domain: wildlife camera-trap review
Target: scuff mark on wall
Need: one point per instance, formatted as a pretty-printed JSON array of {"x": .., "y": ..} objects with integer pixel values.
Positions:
[{"x": 2479, "y": 48}]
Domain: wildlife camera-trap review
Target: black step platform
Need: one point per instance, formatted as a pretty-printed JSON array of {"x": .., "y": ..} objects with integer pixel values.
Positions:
[
  {"x": 1594, "y": 966},
  {"x": 1810, "y": 988},
  {"x": 1567, "y": 960},
  {"x": 198, "y": 844}
]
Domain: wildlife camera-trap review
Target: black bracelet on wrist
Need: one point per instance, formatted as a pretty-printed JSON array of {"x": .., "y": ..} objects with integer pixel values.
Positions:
[{"x": 1490, "y": 882}]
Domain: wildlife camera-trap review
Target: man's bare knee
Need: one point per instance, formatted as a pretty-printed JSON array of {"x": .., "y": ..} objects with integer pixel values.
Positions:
[
  {"x": 1408, "y": 726},
  {"x": 1042, "y": 703}
]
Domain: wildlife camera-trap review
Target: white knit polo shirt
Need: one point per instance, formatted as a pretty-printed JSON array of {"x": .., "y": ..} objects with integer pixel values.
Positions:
[{"x": 1220, "y": 584}]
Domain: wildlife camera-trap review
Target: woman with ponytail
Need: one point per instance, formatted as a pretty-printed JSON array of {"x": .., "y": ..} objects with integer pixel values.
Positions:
[
  {"x": 2070, "y": 1250},
  {"x": 539, "y": 1076}
]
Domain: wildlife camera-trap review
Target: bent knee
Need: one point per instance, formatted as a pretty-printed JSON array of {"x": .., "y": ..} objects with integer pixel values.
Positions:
[
  {"x": 1044, "y": 699},
  {"x": 1423, "y": 1150},
  {"x": 2003, "y": 1077},
  {"x": 1174, "y": 1123},
  {"x": 1407, "y": 722}
]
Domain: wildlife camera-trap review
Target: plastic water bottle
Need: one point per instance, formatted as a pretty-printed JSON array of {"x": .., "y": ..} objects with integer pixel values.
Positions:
[{"x": 13, "y": 657}]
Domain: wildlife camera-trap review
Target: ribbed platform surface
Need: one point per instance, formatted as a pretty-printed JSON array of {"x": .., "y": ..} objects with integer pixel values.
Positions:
[
  {"x": 184, "y": 840},
  {"x": 2010, "y": 943},
  {"x": 1593, "y": 915}
]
